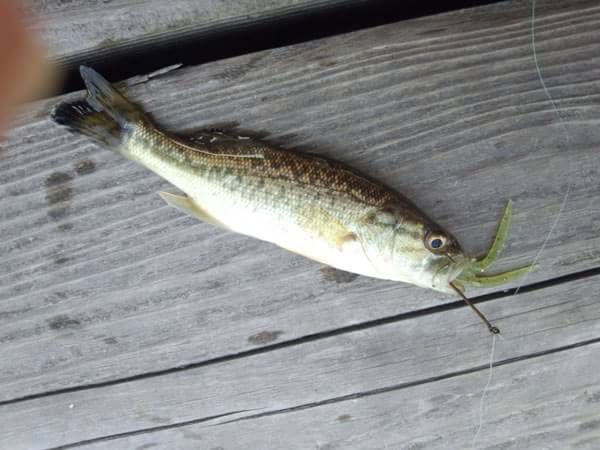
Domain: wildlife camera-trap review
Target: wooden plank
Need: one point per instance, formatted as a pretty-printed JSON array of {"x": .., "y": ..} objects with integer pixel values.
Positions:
[
  {"x": 390, "y": 357},
  {"x": 99, "y": 280},
  {"x": 81, "y": 26},
  {"x": 548, "y": 403}
]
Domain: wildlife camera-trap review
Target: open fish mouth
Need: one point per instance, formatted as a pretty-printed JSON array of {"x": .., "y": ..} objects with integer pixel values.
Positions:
[{"x": 450, "y": 271}]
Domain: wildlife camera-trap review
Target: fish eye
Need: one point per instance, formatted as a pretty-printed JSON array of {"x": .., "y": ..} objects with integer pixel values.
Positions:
[{"x": 435, "y": 242}]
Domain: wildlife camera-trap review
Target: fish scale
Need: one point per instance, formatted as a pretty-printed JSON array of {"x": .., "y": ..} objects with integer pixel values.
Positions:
[{"x": 277, "y": 180}]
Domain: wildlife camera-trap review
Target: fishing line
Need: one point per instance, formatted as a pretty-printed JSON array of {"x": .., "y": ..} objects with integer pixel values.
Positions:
[
  {"x": 552, "y": 227},
  {"x": 568, "y": 141},
  {"x": 485, "y": 390}
]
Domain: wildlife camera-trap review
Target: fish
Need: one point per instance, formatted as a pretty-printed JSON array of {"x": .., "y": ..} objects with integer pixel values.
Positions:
[{"x": 310, "y": 205}]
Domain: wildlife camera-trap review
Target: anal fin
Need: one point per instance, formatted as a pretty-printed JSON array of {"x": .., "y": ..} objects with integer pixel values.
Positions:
[{"x": 189, "y": 206}]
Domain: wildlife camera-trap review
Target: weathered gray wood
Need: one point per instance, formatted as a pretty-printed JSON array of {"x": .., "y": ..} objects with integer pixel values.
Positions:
[
  {"x": 548, "y": 403},
  {"x": 99, "y": 280},
  {"x": 70, "y": 27},
  {"x": 357, "y": 364}
]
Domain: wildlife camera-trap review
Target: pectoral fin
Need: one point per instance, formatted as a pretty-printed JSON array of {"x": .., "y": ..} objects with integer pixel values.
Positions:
[
  {"x": 189, "y": 206},
  {"x": 338, "y": 235},
  {"x": 322, "y": 226},
  {"x": 328, "y": 227}
]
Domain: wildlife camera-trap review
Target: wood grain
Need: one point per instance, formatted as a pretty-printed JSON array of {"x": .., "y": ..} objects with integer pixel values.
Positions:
[
  {"x": 429, "y": 369},
  {"x": 71, "y": 27},
  {"x": 528, "y": 406},
  {"x": 100, "y": 281}
]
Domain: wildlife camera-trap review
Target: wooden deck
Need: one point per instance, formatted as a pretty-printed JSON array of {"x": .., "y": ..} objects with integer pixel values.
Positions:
[{"x": 126, "y": 325}]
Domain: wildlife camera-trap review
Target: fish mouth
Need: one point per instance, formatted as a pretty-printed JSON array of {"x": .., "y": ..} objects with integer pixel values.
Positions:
[{"x": 449, "y": 271}]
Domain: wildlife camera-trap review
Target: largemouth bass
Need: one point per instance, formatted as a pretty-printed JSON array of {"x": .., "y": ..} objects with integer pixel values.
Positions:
[{"x": 307, "y": 204}]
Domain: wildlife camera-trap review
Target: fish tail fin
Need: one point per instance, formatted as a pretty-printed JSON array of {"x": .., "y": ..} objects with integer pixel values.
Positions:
[
  {"x": 102, "y": 96},
  {"x": 80, "y": 117},
  {"x": 105, "y": 114}
]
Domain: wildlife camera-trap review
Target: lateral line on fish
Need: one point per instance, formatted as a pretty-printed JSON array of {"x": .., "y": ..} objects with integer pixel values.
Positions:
[
  {"x": 206, "y": 152},
  {"x": 228, "y": 155}
]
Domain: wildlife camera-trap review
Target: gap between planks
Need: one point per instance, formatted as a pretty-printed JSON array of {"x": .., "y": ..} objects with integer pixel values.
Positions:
[
  {"x": 330, "y": 401},
  {"x": 438, "y": 415},
  {"x": 296, "y": 379},
  {"x": 169, "y": 37},
  {"x": 478, "y": 300},
  {"x": 560, "y": 263}
]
